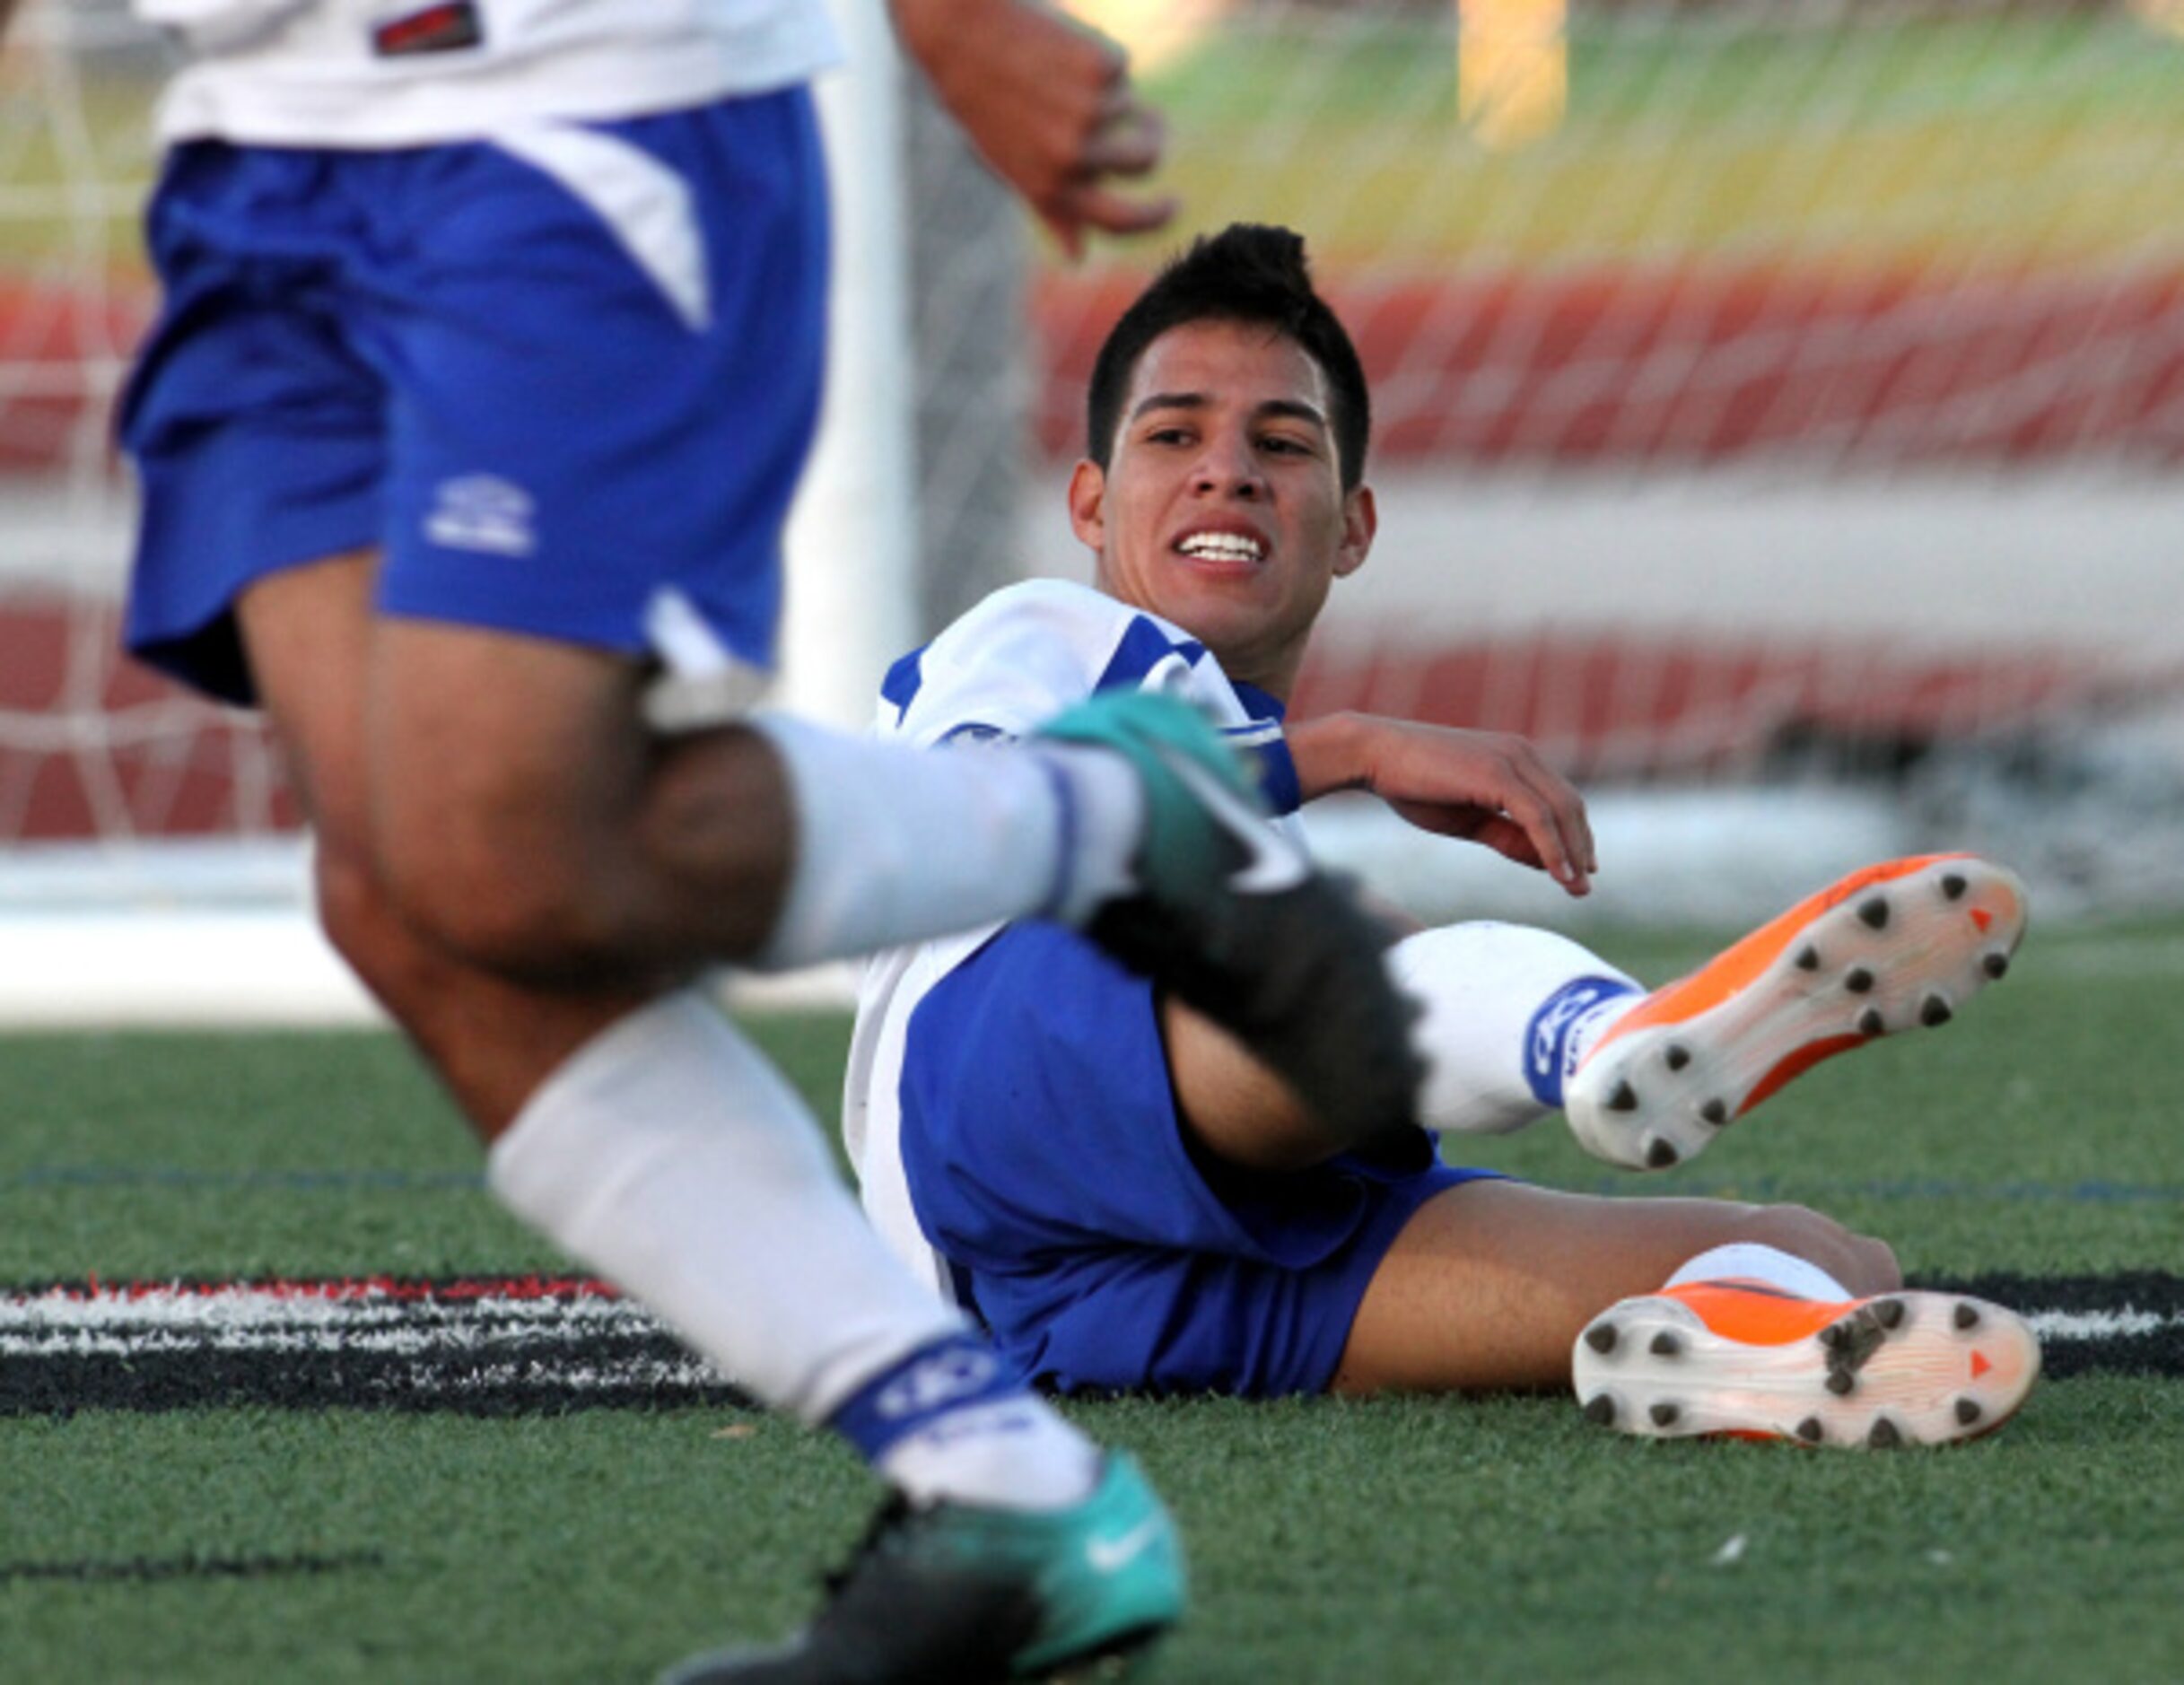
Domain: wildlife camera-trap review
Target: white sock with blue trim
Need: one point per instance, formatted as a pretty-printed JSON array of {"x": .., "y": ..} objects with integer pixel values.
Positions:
[
  {"x": 896, "y": 845},
  {"x": 1751, "y": 1260},
  {"x": 668, "y": 1156},
  {"x": 1510, "y": 1012}
]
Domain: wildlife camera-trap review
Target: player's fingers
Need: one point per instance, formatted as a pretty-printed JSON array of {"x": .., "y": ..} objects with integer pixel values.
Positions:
[
  {"x": 1561, "y": 809},
  {"x": 1111, "y": 213},
  {"x": 1532, "y": 809},
  {"x": 1128, "y": 143},
  {"x": 1509, "y": 840}
]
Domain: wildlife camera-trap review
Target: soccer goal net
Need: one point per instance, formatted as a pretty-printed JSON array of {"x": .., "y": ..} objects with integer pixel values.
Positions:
[{"x": 1778, "y": 401}]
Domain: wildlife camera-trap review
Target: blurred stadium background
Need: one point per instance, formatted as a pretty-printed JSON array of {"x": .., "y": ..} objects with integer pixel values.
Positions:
[{"x": 1781, "y": 418}]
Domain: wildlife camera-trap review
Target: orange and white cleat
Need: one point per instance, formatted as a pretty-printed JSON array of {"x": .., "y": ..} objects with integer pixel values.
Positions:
[
  {"x": 1895, "y": 947},
  {"x": 1748, "y": 1359}
]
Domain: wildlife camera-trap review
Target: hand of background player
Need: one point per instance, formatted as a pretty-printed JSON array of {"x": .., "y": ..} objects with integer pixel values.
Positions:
[
  {"x": 1048, "y": 104},
  {"x": 1485, "y": 787}
]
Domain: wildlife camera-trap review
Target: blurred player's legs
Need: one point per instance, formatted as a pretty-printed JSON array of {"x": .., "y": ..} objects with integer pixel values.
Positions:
[
  {"x": 1712, "y": 1354},
  {"x": 650, "y": 1142},
  {"x": 1895, "y": 947}
]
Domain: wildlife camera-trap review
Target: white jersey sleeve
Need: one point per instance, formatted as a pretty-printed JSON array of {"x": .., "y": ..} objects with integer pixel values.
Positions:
[
  {"x": 1018, "y": 658},
  {"x": 400, "y": 72}
]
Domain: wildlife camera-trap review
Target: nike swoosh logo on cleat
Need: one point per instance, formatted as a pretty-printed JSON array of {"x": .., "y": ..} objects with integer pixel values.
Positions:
[
  {"x": 1107, "y": 1555},
  {"x": 1270, "y": 864}
]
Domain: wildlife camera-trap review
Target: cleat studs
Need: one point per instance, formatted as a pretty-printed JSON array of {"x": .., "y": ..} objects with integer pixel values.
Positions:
[
  {"x": 1888, "y": 1312},
  {"x": 1808, "y": 959},
  {"x": 1954, "y": 886},
  {"x": 1835, "y": 1336},
  {"x": 1996, "y": 965},
  {"x": 1870, "y": 1022},
  {"x": 1665, "y": 1414},
  {"x": 1715, "y": 1112},
  {"x": 1624, "y": 1098},
  {"x": 1873, "y": 913},
  {"x": 1968, "y": 1411},
  {"x": 1660, "y": 1154},
  {"x": 1965, "y": 1317},
  {"x": 1934, "y": 1012},
  {"x": 1840, "y": 1382},
  {"x": 1666, "y": 1345},
  {"x": 1600, "y": 1409},
  {"x": 1810, "y": 1430},
  {"x": 1858, "y": 982},
  {"x": 1676, "y": 1056},
  {"x": 1601, "y": 1337},
  {"x": 1885, "y": 1434}
]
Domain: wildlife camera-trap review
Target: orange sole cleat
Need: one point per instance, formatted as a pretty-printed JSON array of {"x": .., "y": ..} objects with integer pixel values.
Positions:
[
  {"x": 1895, "y": 947},
  {"x": 1746, "y": 1359}
]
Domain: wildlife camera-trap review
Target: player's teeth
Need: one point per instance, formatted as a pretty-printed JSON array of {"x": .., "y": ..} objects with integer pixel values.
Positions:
[{"x": 1227, "y": 549}]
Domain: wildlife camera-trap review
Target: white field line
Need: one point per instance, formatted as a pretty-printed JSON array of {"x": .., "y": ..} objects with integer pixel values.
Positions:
[
  {"x": 135, "y": 1322},
  {"x": 2066, "y": 1326},
  {"x": 238, "y": 1309}
]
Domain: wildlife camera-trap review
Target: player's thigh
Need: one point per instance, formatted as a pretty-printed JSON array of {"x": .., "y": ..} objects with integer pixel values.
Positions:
[
  {"x": 1492, "y": 1282},
  {"x": 307, "y": 637}
]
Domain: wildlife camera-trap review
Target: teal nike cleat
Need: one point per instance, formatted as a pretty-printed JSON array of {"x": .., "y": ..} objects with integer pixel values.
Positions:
[
  {"x": 969, "y": 1594},
  {"x": 1232, "y": 917}
]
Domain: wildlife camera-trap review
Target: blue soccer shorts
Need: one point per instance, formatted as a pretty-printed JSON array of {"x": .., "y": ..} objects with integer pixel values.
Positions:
[
  {"x": 1079, "y": 1219},
  {"x": 564, "y": 381}
]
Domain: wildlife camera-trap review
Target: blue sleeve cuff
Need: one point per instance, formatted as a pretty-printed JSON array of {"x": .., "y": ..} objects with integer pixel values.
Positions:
[{"x": 1278, "y": 779}]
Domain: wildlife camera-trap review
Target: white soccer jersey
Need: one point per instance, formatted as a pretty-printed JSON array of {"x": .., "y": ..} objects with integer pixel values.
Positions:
[
  {"x": 1014, "y": 662},
  {"x": 400, "y": 72}
]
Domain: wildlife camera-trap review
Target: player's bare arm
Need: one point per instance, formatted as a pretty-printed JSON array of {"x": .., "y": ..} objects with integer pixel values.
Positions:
[
  {"x": 1485, "y": 787},
  {"x": 1048, "y": 104}
]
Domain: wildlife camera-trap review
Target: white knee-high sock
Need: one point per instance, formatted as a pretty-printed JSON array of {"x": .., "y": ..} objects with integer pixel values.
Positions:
[
  {"x": 896, "y": 845},
  {"x": 1750, "y": 1261},
  {"x": 668, "y": 1155},
  {"x": 1509, "y": 1012}
]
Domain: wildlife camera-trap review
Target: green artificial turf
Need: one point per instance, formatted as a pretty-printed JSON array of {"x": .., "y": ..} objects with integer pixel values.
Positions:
[{"x": 1413, "y": 1540}]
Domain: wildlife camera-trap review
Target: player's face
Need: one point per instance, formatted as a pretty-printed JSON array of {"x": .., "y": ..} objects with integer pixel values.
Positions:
[{"x": 1222, "y": 508}]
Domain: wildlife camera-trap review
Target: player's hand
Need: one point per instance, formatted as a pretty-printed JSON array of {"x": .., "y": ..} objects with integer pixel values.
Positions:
[
  {"x": 1485, "y": 787},
  {"x": 1048, "y": 104}
]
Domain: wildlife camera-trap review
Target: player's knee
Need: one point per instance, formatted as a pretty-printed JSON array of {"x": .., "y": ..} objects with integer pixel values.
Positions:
[
  {"x": 516, "y": 912},
  {"x": 366, "y": 929},
  {"x": 1862, "y": 1263}
]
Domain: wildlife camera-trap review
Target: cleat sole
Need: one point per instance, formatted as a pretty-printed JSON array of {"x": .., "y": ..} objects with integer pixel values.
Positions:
[
  {"x": 1905, "y": 1369},
  {"x": 1680, "y": 1080}
]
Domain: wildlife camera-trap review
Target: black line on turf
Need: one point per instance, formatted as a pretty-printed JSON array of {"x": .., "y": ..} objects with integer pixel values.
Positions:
[{"x": 87, "y": 1570}]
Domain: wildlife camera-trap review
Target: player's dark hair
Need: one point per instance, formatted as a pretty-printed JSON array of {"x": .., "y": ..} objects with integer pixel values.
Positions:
[{"x": 1248, "y": 273}]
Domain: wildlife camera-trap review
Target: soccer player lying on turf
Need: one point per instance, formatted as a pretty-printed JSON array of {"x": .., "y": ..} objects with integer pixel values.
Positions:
[{"x": 1129, "y": 1200}]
